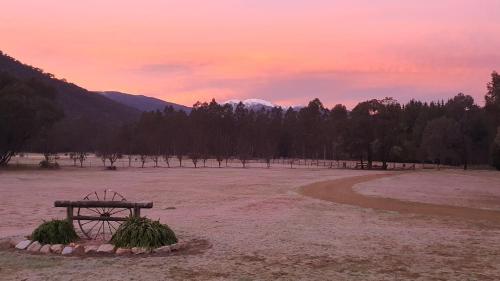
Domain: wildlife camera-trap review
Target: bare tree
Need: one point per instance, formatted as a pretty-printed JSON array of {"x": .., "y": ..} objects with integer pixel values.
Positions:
[
  {"x": 82, "y": 156},
  {"x": 73, "y": 156},
  {"x": 143, "y": 159}
]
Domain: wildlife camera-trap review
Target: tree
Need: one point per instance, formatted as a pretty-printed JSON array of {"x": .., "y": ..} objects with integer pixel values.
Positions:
[
  {"x": 313, "y": 130},
  {"x": 128, "y": 139},
  {"x": 456, "y": 131},
  {"x": 267, "y": 132},
  {"x": 198, "y": 132},
  {"x": 362, "y": 130},
  {"x": 473, "y": 131},
  {"x": 149, "y": 133},
  {"x": 387, "y": 129},
  {"x": 244, "y": 121},
  {"x": 82, "y": 156},
  {"x": 109, "y": 147},
  {"x": 493, "y": 95},
  {"x": 180, "y": 141},
  {"x": 337, "y": 126},
  {"x": 73, "y": 156},
  {"x": 441, "y": 141},
  {"x": 289, "y": 140},
  {"x": 495, "y": 151},
  {"x": 220, "y": 131},
  {"x": 27, "y": 108}
]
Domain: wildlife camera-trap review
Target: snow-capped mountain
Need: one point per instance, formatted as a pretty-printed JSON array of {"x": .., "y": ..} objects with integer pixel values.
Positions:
[{"x": 255, "y": 104}]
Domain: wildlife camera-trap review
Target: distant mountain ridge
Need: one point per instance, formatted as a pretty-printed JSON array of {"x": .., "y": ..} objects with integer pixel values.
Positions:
[
  {"x": 88, "y": 116},
  {"x": 257, "y": 104},
  {"x": 141, "y": 102},
  {"x": 77, "y": 102}
]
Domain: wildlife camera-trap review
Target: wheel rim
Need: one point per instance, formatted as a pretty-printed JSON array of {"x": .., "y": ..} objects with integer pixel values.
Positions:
[{"x": 102, "y": 230}]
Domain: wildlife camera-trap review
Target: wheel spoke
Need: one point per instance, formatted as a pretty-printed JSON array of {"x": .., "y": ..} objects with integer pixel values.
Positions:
[
  {"x": 86, "y": 223},
  {"x": 111, "y": 223},
  {"x": 94, "y": 210},
  {"x": 98, "y": 231},
  {"x": 89, "y": 232},
  {"x": 119, "y": 211},
  {"x": 103, "y": 229},
  {"x": 110, "y": 231}
]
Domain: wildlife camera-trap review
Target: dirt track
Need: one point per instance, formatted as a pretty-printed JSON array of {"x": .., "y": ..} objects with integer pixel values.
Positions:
[{"x": 341, "y": 191}]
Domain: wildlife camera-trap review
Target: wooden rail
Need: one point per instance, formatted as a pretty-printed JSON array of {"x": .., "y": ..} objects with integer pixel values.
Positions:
[
  {"x": 70, "y": 205},
  {"x": 104, "y": 204}
]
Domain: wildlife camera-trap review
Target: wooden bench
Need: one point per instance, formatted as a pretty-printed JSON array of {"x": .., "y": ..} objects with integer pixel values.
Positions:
[{"x": 100, "y": 216}]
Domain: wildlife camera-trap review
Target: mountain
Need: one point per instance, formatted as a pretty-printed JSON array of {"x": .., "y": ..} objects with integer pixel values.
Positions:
[
  {"x": 255, "y": 104},
  {"x": 76, "y": 102},
  {"x": 88, "y": 117},
  {"x": 142, "y": 103}
]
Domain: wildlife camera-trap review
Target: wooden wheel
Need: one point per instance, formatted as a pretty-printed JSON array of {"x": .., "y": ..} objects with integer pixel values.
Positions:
[{"x": 104, "y": 226}]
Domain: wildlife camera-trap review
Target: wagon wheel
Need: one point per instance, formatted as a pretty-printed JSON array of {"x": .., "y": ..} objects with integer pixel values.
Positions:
[{"x": 102, "y": 229}]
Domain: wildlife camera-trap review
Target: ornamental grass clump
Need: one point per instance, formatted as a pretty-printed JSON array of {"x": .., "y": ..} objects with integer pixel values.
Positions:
[
  {"x": 143, "y": 232},
  {"x": 55, "y": 232}
]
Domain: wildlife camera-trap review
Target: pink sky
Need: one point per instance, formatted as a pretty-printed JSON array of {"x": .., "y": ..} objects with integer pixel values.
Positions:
[{"x": 287, "y": 52}]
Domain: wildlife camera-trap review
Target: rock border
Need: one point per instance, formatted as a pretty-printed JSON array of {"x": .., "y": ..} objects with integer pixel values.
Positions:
[{"x": 75, "y": 249}]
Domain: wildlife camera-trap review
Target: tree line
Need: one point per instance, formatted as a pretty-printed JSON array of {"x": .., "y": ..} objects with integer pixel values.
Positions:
[{"x": 375, "y": 132}]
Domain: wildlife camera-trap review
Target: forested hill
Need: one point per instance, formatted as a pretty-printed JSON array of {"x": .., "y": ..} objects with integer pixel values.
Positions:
[
  {"x": 76, "y": 102},
  {"x": 88, "y": 116}
]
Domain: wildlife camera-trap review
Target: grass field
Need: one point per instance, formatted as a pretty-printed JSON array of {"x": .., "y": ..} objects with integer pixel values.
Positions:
[{"x": 257, "y": 224}]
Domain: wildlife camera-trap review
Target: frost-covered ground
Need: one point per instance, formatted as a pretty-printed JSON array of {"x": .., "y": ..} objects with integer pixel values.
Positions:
[
  {"x": 258, "y": 227},
  {"x": 478, "y": 189}
]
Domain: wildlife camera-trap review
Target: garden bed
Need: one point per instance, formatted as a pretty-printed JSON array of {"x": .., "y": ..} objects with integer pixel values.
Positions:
[{"x": 86, "y": 248}]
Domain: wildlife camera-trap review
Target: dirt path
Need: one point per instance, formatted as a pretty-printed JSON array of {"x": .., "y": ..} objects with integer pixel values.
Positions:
[{"x": 340, "y": 191}]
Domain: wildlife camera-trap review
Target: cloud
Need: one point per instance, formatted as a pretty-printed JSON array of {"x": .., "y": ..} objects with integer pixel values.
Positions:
[
  {"x": 332, "y": 87},
  {"x": 168, "y": 68}
]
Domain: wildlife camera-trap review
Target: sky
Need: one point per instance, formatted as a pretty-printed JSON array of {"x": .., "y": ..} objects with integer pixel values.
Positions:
[{"x": 287, "y": 52}]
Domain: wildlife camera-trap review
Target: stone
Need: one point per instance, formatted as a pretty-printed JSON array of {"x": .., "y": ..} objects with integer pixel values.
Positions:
[
  {"x": 34, "y": 247},
  {"x": 67, "y": 250},
  {"x": 15, "y": 240},
  {"x": 123, "y": 251},
  {"x": 23, "y": 244},
  {"x": 163, "y": 249},
  {"x": 175, "y": 247},
  {"x": 140, "y": 250},
  {"x": 45, "y": 249},
  {"x": 78, "y": 250},
  {"x": 106, "y": 249},
  {"x": 90, "y": 249},
  {"x": 56, "y": 248}
]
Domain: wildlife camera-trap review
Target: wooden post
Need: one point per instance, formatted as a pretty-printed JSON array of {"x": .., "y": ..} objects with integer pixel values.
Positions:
[
  {"x": 137, "y": 212},
  {"x": 69, "y": 214}
]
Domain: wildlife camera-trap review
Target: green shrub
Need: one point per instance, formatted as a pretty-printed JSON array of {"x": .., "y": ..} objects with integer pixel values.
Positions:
[
  {"x": 143, "y": 232},
  {"x": 55, "y": 232}
]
